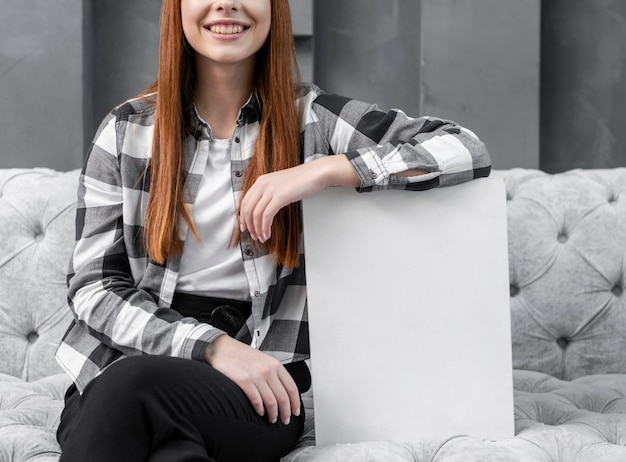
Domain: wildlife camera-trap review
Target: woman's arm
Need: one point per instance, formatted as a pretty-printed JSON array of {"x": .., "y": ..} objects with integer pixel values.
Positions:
[
  {"x": 273, "y": 191},
  {"x": 105, "y": 293},
  {"x": 383, "y": 150},
  {"x": 386, "y": 148}
]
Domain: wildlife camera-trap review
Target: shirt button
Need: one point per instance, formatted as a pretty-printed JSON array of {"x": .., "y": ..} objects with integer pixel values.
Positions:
[
  {"x": 257, "y": 293},
  {"x": 374, "y": 174},
  {"x": 249, "y": 252},
  {"x": 237, "y": 140},
  {"x": 238, "y": 173}
]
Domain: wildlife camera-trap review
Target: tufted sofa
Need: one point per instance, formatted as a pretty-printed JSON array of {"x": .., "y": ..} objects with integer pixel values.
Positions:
[{"x": 567, "y": 253}]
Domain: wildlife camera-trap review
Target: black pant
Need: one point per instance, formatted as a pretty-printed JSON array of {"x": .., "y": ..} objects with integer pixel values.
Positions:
[{"x": 162, "y": 409}]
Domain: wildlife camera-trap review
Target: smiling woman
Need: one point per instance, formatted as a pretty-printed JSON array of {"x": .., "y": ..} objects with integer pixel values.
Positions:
[
  {"x": 230, "y": 33},
  {"x": 187, "y": 280}
]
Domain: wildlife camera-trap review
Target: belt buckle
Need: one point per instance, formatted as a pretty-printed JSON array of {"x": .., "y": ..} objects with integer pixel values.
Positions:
[{"x": 227, "y": 318}]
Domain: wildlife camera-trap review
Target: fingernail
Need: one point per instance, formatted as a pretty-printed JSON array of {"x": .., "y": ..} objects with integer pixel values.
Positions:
[
  {"x": 297, "y": 413},
  {"x": 274, "y": 421},
  {"x": 286, "y": 422}
]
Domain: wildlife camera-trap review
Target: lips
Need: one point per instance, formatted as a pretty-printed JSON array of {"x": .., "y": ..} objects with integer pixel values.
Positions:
[{"x": 226, "y": 29}]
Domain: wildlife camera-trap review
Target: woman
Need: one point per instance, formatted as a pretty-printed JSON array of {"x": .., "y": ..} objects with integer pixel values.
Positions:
[{"x": 187, "y": 279}]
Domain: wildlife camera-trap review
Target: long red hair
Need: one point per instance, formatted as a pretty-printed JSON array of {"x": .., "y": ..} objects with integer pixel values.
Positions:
[{"x": 277, "y": 147}]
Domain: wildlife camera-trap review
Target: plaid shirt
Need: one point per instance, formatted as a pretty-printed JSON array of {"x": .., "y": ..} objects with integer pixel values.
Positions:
[{"x": 121, "y": 300}]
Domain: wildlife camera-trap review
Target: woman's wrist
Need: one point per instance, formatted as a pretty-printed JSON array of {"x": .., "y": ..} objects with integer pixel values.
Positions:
[
  {"x": 211, "y": 348},
  {"x": 338, "y": 171}
]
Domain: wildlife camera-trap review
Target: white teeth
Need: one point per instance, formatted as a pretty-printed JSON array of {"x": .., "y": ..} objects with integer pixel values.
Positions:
[{"x": 226, "y": 29}]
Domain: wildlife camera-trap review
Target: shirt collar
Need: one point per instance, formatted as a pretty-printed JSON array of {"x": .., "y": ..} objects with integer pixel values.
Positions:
[{"x": 249, "y": 113}]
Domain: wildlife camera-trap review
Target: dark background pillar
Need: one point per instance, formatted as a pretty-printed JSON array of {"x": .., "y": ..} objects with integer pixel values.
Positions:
[
  {"x": 583, "y": 94},
  {"x": 369, "y": 51},
  {"x": 124, "y": 40}
]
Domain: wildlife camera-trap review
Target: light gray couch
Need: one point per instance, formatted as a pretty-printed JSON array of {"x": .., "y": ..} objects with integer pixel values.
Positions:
[{"x": 567, "y": 253}]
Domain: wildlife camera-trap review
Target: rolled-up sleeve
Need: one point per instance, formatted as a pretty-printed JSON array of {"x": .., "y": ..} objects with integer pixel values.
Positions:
[{"x": 381, "y": 145}]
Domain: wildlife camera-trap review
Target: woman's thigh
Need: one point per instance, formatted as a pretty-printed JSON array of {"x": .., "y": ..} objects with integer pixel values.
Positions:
[{"x": 140, "y": 404}]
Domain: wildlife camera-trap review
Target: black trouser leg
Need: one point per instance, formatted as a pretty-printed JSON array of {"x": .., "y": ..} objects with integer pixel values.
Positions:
[{"x": 148, "y": 407}]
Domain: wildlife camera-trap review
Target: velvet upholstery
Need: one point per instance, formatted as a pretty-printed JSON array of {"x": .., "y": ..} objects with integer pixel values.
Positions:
[
  {"x": 37, "y": 208},
  {"x": 567, "y": 255}
]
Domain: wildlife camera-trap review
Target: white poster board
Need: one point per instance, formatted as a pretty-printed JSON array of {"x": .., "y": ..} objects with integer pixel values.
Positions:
[{"x": 408, "y": 296}]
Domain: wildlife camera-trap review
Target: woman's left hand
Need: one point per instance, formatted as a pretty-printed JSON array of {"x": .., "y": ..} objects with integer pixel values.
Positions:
[{"x": 273, "y": 191}]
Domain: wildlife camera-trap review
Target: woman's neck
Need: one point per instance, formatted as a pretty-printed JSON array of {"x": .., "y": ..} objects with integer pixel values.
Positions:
[{"x": 221, "y": 91}]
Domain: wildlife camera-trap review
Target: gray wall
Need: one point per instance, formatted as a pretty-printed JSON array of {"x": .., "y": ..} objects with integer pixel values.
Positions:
[
  {"x": 41, "y": 96},
  {"x": 583, "y": 109},
  {"x": 481, "y": 67},
  {"x": 474, "y": 62}
]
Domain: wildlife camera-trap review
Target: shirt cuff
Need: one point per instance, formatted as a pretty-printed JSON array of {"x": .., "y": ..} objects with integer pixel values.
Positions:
[
  {"x": 369, "y": 168},
  {"x": 195, "y": 345}
]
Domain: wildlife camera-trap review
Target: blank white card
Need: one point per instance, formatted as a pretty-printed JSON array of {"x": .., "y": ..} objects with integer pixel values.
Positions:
[{"x": 408, "y": 296}]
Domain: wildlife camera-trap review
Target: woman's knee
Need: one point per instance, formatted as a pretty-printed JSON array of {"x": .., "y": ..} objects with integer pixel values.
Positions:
[{"x": 131, "y": 380}]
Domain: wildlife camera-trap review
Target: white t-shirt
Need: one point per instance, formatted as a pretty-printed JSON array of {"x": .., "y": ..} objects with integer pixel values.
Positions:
[{"x": 210, "y": 267}]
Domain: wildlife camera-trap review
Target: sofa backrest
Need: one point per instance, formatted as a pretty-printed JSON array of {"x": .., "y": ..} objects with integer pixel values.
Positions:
[
  {"x": 37, "y": 212},
  {"x": 567, "y": 260}
]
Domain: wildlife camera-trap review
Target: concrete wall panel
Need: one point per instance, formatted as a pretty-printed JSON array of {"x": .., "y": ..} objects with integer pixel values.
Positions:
[
  {"x": 481, "y": 67},
  {"x": 474, "y": 62},
  {"x": 41, "y": 96}
]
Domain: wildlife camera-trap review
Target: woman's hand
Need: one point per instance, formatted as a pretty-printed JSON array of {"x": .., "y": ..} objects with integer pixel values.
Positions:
[
  {"x": 266, "y": 383},
  {"x": 273, "y": 191}
]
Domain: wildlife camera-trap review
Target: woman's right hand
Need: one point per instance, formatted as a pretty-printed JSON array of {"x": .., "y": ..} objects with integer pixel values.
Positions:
[{"x": 266, "y": 382}]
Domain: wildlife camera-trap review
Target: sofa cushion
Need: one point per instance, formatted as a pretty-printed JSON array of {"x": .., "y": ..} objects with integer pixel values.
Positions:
[
  {"x": 37, "y": 210},
  {"x": 29, "y": 417},
  {"x": 583, "y": 420},
  {"x": 567, "y": 278},
  {"x": 567, "y": 261},
  {"x": 555, "y": 420}
]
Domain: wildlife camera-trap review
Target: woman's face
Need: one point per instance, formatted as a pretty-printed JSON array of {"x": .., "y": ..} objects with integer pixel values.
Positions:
[{"x": 226, "y": 31}]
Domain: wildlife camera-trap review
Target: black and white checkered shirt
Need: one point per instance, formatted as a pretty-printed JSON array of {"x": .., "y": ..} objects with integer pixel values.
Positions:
[{"x": 121, "y": 299}]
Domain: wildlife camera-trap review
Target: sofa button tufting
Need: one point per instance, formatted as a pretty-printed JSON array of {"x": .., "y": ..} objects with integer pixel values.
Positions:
[
  {"x": 617, "y": 291},
  {"x": 562, "y": 237},
  {"x": 32, "y": 337},
  {"x": 513, "y": 290},
  {"x": 39, "y": 237},
  {"x": 562, "y": 342}
]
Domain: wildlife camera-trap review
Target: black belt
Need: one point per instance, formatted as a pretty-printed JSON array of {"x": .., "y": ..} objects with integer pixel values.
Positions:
[
  {"x": 230, "y": 316},
  {"x": 227, "y": 315}
]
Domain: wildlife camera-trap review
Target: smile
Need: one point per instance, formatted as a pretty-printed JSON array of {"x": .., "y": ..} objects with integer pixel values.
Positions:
[{"x": 226, "y": 29}]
